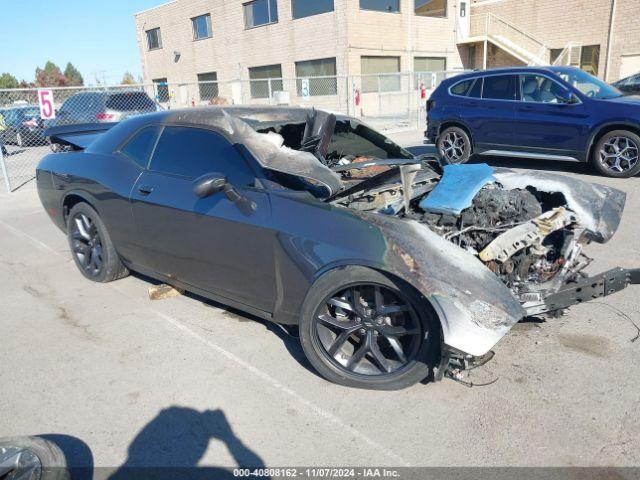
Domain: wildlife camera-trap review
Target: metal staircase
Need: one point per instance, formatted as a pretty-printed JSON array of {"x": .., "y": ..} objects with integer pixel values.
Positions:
[{"x": 488, "y": 27}]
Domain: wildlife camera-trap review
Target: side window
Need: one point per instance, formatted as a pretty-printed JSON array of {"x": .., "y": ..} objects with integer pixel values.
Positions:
[
  {"x": 140, "y": 147},
  {"x": 461, "y": 88},
  {"x": 476, "y": 90},
  {"x": 538, "y": 88},
  {"x": 190, "y": 152},
  {"x": 499, "y": 87}
]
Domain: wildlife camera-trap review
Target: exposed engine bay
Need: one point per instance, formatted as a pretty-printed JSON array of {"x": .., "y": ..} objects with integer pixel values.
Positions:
[{"x": 528, "y": 229}]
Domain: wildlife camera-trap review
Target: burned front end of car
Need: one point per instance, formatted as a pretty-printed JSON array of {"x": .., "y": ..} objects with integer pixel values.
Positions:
[
  {"x": 528, "y": 229},
  {"x": 485, "y": 246}
]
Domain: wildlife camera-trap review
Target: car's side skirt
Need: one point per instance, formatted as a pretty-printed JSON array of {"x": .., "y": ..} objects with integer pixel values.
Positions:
[
  {"x": 198, "y": 291},
  {"x": 532, "y": 155}
]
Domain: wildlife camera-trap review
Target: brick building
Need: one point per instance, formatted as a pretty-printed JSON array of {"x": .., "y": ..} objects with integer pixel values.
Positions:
[{"x": 236, "y": 45}]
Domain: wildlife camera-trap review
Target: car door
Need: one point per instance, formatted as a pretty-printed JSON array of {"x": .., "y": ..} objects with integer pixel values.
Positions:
[
  {"x": 489, "y": 111},
  {"x": 211, "y": 243},
  {"x": 545, "y": 123}
]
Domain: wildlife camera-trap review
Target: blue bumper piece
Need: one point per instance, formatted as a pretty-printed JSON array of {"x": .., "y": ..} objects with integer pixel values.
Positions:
[{"x": 457, "y": 187}]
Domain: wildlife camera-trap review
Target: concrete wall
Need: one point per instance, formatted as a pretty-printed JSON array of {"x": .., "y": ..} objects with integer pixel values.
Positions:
[
  {"x": 232, "y": 49},
  {"x": 346, "y": 34},
  {"x": 625, "y": 40}
]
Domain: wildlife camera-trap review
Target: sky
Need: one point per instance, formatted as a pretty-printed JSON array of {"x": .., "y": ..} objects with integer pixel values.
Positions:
[{"x": 97, "y": 36}]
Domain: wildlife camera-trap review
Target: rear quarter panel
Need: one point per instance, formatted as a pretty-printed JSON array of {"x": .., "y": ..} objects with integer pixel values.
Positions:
[{"x": 103, "y": 181}]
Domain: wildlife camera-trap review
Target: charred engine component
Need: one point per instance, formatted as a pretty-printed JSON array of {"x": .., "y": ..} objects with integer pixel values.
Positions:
[
  {"x": 492, "y": 211},
  {"x": 528, "y": 235},
  {"x": 487, "y": 226}
]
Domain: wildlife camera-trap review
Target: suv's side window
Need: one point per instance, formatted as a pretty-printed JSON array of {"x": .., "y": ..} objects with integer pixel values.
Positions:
[
  {"x": 190, "y": 152},
  {"x": 140, "y": 147},
  {"x": 499, "y": 87},
  {"x": 461, "y": 88},
  {"x": 476, "y": 89},
  {"x": 538, "y": 88}
]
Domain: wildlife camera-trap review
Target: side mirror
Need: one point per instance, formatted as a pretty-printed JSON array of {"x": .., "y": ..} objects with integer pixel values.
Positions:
[
  {"x": 566, "y": 96},
  {"x": 208, "y": 184}
]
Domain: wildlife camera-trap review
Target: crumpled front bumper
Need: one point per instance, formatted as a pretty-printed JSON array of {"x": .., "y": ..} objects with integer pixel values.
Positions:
[{"x": 585, "y": 289}]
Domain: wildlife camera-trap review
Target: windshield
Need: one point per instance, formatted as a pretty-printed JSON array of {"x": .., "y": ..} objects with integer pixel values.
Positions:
[{"x": 587, "y": 84}]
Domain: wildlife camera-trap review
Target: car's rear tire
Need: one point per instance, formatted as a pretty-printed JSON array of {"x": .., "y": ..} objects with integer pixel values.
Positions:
[
  {"x": 454, "y": 145},
  {"x": 617, "y": 154},
  {"x": 91, "y": 245},
  {"x": 361, "y": 328}
]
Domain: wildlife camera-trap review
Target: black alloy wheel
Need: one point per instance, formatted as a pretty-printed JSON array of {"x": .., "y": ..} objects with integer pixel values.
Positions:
[
  {"x": 91, "y": 247},
  {"x": 368, "y": 329},
  {"x": 87, "y": 244}
]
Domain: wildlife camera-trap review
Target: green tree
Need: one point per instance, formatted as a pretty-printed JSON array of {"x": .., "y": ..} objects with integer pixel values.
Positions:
[
  {"x": 8, "y": 81},
  {"x": 128, "y": 79},
  {"x": 50, "y": 76},
  {"x": 73, "y": 76}
]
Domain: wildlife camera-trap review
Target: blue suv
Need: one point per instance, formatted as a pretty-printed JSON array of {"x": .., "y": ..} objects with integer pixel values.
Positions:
[{"x": 550, "y": 113}]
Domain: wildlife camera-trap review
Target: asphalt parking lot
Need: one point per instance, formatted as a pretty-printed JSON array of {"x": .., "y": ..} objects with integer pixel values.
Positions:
[{"x": 123, "y": 380}]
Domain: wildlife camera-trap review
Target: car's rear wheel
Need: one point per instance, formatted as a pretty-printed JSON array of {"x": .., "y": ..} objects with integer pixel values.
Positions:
[
  {"x": 617, "y": 154},
  {"x": 91, "y": 246},
  {"x": 454, "y": 145},
  {"x": 362, "y": 329}
]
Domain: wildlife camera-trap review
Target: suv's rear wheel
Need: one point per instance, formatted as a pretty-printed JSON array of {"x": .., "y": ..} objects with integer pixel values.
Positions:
[
  {"x": 91, "y": 246},
  {"x": 454, "y": 145},
  {"x": 617, "y": 154},
  {"x": 362, "y": 329}
]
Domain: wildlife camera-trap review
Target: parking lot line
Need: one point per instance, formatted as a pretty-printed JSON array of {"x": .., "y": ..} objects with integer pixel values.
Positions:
[{"x": 265, "y": 377}]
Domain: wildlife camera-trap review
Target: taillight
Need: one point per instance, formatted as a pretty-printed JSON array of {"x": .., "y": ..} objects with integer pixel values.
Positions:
[{"x": 103, "y": 116}]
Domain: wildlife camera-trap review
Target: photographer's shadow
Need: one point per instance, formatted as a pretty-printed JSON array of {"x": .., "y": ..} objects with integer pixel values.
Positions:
[{"x": 172, "y": 444}]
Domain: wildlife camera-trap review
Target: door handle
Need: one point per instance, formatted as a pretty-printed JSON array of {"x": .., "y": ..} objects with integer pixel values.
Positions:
[
  {"x": 145, "y": 189},
  {"x": 525, "y": 108}
]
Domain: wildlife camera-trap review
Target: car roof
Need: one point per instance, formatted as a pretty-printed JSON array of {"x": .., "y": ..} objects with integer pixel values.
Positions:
[
  {"x": 509, "y": 70},
  {"x": 213, "y": 116}
]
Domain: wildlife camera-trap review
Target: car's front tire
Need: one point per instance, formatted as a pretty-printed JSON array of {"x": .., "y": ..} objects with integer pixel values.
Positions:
[
  {"x": 91, "y": 245},
  {"x": 454, "y": 145},
  {"x": 361, "y": 328},
  {"x": 617, "y": 154}
]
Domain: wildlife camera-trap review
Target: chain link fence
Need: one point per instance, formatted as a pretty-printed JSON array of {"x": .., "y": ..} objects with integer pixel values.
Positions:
[{"x": 389, "y": 102}]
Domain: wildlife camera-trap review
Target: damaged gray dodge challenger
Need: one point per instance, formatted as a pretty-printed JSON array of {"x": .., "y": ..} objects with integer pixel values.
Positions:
[{"x": 394, "y": 268}]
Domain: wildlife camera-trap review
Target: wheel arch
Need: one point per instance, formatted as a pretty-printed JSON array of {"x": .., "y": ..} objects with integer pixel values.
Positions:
[
  {"x": 428, "y": 301},
  {"x": 72, "y": 198},
  {"x": 602, "y": 130}
]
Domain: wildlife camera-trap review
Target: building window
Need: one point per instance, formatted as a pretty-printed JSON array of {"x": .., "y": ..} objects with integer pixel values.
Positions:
[
  {"x": 431, "y": 8},
  {"x": 392, "y": 6},
  {"x": 554, "y": 54},
  {"x": 326, "y": 68},
  {"x": 154, "y": 41},
  {"x": 162, "y": 90},
  {"x": 208, "y": 86},
  {"x": 260, "y": 12},
  {"x": 590, "y": 58},
  {"x": 265, "y": 80},
  {"x": 429, "y": 64},
  {"x": 201, "y": 27},
  {"x": 306, "y": 8},
  {"x": 378, "y": 74}
]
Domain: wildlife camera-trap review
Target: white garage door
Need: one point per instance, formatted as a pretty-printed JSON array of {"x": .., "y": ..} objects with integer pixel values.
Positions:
[{"x": 630, "y": 65}]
